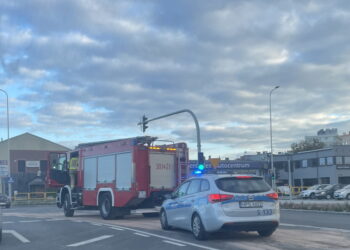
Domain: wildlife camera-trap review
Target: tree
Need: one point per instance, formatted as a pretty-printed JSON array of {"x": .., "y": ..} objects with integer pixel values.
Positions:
[{"x": 307, "y": 145}]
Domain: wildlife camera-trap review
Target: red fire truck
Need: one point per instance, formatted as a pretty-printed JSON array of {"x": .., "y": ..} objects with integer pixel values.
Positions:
[{"x": 117, "y": 176}]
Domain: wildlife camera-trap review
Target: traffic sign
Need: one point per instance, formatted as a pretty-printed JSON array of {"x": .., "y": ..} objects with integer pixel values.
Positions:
[{"x": 10, "y": 180}]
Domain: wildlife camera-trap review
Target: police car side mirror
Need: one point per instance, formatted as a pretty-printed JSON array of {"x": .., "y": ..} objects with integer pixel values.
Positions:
[{"x": 173, "y": 195}]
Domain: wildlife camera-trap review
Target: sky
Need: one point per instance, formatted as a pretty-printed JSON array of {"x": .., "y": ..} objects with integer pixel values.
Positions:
[{"x": 83, "y": 71}]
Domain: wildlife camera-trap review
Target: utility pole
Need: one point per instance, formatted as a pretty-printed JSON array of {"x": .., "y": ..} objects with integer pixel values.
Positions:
[{"x": 145, "y": 121}]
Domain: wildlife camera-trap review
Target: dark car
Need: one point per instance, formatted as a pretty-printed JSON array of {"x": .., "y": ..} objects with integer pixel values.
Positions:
[
  {"x": 5, "y": 201},
  {"x": 327, "y": 192}
]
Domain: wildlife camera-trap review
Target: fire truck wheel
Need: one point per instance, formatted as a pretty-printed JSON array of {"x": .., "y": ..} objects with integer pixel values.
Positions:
[
  {"x": 106, "y": 209},
  {"x": 67, "y": 207}
]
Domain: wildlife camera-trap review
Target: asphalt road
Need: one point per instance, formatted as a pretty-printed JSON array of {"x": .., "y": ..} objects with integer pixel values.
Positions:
[{"x": 45, "y": 227}]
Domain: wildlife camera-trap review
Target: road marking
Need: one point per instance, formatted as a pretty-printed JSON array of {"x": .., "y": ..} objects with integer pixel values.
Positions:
[
  {"x": 55, "y": 219},
  {"x": 143, "y": 235},
  {"x": 96, "y": 224},
  {"x": 17, "y": 235},
  {"x": 315, "y": 227},
  {"x": 8, "y": 222},
  {"x": 29, "y": 221},
  {"x": 117, "y": 228},
  {"x": 164, "y": 237},
  {"x": 90, "y": 241},
  {"x": 174, "y": 243}
]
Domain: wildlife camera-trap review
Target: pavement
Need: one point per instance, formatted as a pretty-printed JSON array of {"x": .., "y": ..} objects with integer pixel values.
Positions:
[{"x": 45, "y": 227}]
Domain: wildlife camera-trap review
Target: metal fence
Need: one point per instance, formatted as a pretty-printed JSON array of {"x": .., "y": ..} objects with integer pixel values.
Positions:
[{"x": 34, "y": 196}]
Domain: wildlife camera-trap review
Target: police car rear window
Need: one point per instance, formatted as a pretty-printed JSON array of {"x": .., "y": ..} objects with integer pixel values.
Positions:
[{"x": 244, "y": 185}]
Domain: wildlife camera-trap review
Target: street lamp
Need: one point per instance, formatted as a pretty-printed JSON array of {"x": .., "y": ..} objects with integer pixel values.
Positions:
[
  {"x": 8, "y": 139},
  {"x": 272, "y": 167}
]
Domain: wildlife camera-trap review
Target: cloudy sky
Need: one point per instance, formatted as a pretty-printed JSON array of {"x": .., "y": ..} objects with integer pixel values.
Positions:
[{"x": 82, "y": 71}]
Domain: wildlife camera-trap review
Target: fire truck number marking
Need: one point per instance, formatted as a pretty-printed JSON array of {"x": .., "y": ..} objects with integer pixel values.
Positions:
[{"x": 162, "y": 166}]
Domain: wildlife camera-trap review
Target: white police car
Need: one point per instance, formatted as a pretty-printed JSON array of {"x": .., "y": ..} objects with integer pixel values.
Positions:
[{"x": 209, "y": 203}]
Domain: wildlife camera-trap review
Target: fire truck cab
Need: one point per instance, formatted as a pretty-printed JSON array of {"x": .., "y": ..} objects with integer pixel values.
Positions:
[{"x": 117, "y": 176}]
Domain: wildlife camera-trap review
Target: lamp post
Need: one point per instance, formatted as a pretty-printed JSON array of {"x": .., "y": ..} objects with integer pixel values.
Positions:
[
  {"x": 8, "y": 140},
  {"x": 273, "y": 182}
]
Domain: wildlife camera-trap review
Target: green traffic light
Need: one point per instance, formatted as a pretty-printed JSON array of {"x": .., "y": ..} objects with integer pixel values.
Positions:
[{"x": 201, "y": 167}]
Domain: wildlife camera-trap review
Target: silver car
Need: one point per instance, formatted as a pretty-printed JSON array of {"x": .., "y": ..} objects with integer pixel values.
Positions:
[
  {"x": 210, "y": 203},
  {"x": 343, "y": 193}
]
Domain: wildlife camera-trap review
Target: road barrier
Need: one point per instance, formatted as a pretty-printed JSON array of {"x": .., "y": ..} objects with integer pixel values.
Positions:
[{"x": 34, "y": 196}]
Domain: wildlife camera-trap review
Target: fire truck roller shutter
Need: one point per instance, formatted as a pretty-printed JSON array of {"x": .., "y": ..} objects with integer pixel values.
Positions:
[
  {"x": 162, "y": 170},
  {"x": 124, "y": 171},
  {"x": 90, "y": 170},
  {"x": 106, "y": 169}
]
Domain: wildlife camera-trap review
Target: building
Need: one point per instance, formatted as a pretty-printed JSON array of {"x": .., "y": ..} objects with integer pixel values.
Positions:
[
  {"x": 322, "y": 166},
  {"x": 226, "y": 166},
  {"x": 28, "y": 162},
  {"x": 328, "y": 136}
]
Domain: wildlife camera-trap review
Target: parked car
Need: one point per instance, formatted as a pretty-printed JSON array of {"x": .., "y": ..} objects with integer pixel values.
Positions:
[
  {"x": 311, "y": 191},
  {"x": 5, "y": 201},
  {"x": 327, "y": 192},
  {"x": 210, "y": 203},
  {"x": 343, "y": 193}
]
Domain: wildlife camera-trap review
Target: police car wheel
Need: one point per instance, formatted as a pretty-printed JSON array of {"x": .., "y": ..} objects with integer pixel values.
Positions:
[
  {"x": 198, "y": 229},
  {"x": 266, "y": 232},
  {"x": 164, "y": 220}
]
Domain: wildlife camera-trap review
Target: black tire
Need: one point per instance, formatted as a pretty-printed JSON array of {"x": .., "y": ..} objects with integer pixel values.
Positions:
[
  {"x": 107, "y": 211},
  {"x": 67, "y": 206},
  {"x": 198, "y": 229},
  {"x": 312, "y": 196},
  {"x": 328, "y": 196},
  {"x": 164, "y": 220},
  {"x": 8, "y": 206},
  {"x": 266, "y": 232},
  {"x": 348, "y": 197}
]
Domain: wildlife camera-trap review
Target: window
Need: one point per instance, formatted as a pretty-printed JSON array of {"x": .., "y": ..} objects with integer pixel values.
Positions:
[
  {"x": 194, "y": 186},
  {"x": 330, "y": 161},
  {"x": 21, "y": 166},
  {"x": 339, "y": 160},
  {"x": 181, "y": 191},
  {"x": 325, "y": 180},
  {"x": 204, "y": 185},
  {"x": 322, "y": 161},
  {"x": 304, "y": 163},
  {"x": 248, "y": 185},
  {"x": 346, "y": 160}
]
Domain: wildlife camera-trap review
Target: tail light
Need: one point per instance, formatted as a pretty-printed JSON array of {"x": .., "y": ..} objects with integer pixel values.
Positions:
[
  {"x": 213, "y": 198},
  {"x": 273, "y": 196}
]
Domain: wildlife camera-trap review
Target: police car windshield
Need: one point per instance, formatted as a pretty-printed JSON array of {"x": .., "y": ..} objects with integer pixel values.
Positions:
[{"x": 242, "y": 185}]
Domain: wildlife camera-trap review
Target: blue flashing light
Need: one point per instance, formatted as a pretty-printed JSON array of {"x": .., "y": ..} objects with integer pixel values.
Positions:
[
  {"x": 198, "y": 172},
  {"x": 201, "y": 167}
]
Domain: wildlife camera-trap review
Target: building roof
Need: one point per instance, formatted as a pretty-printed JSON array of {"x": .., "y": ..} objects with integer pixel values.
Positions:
[{"x": 28, "y": 141}]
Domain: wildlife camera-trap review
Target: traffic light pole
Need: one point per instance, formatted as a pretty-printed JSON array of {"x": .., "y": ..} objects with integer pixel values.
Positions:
[{"x": 175, "y": 113}]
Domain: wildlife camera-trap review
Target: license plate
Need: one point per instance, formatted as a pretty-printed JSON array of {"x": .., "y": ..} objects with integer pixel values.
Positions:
[{"x": 249, "y": 204}]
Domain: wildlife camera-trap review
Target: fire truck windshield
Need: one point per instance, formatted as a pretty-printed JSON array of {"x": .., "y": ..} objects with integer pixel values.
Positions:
[{"x": 58, "y": 161}]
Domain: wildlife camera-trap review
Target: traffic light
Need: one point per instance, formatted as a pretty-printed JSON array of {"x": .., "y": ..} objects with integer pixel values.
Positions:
[
  {"x": 200, "y": 165},
  {"x": 144, "y": 123}
]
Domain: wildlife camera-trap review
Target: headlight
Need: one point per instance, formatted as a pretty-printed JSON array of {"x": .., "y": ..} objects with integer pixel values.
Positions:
[{"x": 323, "y": 192}]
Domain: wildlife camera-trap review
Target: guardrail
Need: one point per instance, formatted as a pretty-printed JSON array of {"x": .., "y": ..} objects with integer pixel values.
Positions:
[{"x": 34, "y": 196}]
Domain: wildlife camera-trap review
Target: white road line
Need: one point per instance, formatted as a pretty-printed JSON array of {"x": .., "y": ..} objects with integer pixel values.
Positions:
[
  {"x": 90, "y": 241},
  {"x": 8, "y": 222},
  {"x": 174, "y": 243},
  {"x": 96, "y": 224},
  {"x": 143, "y": 235},
  {"x": 164, "y": 237},
  {"x": 55, "y": 219},
  {"x": 117, "y": 228},
  {"x": 17, "y": 235},
  {"x": 29, "y": 221},
  {"x": 315, "y": 227}
]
